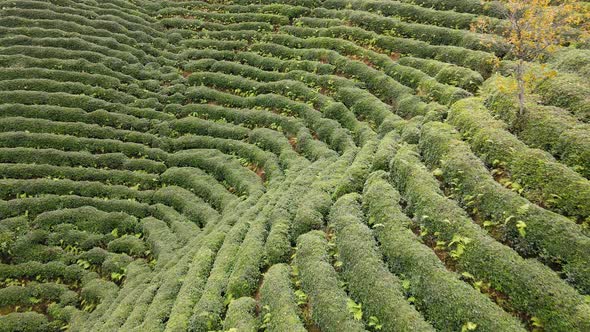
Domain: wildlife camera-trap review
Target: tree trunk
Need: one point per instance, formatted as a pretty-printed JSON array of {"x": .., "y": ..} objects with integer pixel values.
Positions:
[{"x": 521, "y": 96}]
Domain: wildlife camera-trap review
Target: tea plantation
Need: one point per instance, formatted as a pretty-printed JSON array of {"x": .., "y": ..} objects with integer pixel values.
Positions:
[{"x": 296, "y": 165}]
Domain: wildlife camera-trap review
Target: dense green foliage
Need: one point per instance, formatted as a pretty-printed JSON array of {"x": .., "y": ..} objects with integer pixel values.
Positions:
[{"x": 299, "y": 165}]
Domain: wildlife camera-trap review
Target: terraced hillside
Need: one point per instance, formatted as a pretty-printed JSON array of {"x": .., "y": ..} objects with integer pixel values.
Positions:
[{"x": 300, "y": 165}]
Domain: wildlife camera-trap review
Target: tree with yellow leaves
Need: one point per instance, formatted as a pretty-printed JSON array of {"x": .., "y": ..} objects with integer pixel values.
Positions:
[{"x": 536, "y": 28}]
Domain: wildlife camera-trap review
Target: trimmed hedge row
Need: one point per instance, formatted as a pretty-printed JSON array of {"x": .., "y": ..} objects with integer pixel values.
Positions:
[
  {"x": 530, "y": 286},
  {"x": 385, "y": 87},
  {"x": 356, "y": 175},
  {"x": 111, "y": 176},
  {"x": 571, "y": 60},
  {"x": 545, "y": 127},
  {"x": 413, "y": 13},
  {"x": 202, "y": 184},
  {"x": 226, "y": 169},
  {"x": 278, "y": 299},
  {"x": 192, "y": 125},
  {"x": 568, "y": 91},
  {"x": 446, "y": 301},
  {"x": 446, "y": 73},
  {"x": 17, "y": 62},
  {"x": 313, "y": 148},
  {"x": 74, "y": 101},
  {"x": 479, "y": 61},
  {"x": 245, "y": 275},
  {"x": 68, "y": 114},
  {"x": 36, "y": 205},
  {"x": 78, "y": 129},
  {"x": 120, "y": 20},
  {"x": 191, "y": 290},
  {"x": 369, "y": 281},
  {"x": 269, "y": 64},
  {"x": 318, "y": 199},
  {"x": 192, "y": 206},
  {"x": 327, "y": 301},
  {"x": 330, "y": 109},
  {"x": 22, "y": 155},
  {"x": 49, "y": 271},
  {"x": 33, "y": 291},
  {"x": 544, "y": 180},
  {"x": 383, "y": 83},
  {"x": 88, "y": 219},
  {"x": 564, "y": 89},
  {"x": 249, "y": 118},
  {"x": 294, "y": 9},
  {"x": 492, "y": 8},
  {"x": 199, "y": 25},
  {"x": 14, "y": 189},
  {"x": 91, "y": 79},
  {"x": 434, "y": 35},
  {"x": 278, "y": 95},
  {"x": 171, "y": 280},
  {"x": 241, "y": 315},
  {"x": 224, "y": 17},
  {"x": 207, "y": 313},
  {"x": 553, "y": 237},
  {"x": 24, "y": 322},
  {"x": 278, "y": 242},
  {"x": 248, "y": 154},
  {"x": 278, "y": 144},
  {"x": 71, "y": 143}
]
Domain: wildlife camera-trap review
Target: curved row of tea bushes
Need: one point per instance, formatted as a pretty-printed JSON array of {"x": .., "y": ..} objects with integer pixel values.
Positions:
[
  {"x": 325, "y": 46},
  {"x": 252, "y": 154},
  {"x": 154, "y": 316},
  {"x": 241, "y": 315},
  {"x": 571, "y": 60},
  {"x": 413, "y": 13},
  {"x": 103, "y": 161},
  {"x": 543, "y": 179},
  {"x": 479, "y": 61},
  {"x": 78, "y": 129},
  {"x": 327, "y": 128},
  {"x": 70, "y": 114},
  {"x": 331, "y": 127},
  {"x": 383, "y": 86},
  {"x": 79, "y": 173},
  {"x": 326, "y": 106},
  {"x": 278, "y": 301},
  {"x": 549, "y": 128},
  {"x": 73, "y": 101},
  {"x": 434, "y": 35},
  {"x": 224, "y": 168},
  {"x": 190, "y": 290},
  {"x": 530, "y": 286},
  {"x": 153, "y": 295},
  {"x": 568, "y": 91},
  {"x": 208, "y": 311},
  {"x": 447, "y": 302},
  {"x": 369, "y": 281},
  {"x": 557, "y": 88},
  {"x": 202, "y": 184},
  {"x": 23, "y": 321},
  {"x": 553, "y": 237},
  {"x": 71, "y": 143},
  {"x": 328, "y": 302},
  {"x": 246, "y": 273},
  {"x": 492, "y": 8},
  {"x": 318, "y": 198},
  {"x": 356, "y": 175},
  {"x": 277, "y": 247}
]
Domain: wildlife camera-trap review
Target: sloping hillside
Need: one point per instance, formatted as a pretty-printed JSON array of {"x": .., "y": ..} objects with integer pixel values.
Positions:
[{"x": 299, "y": 165}]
